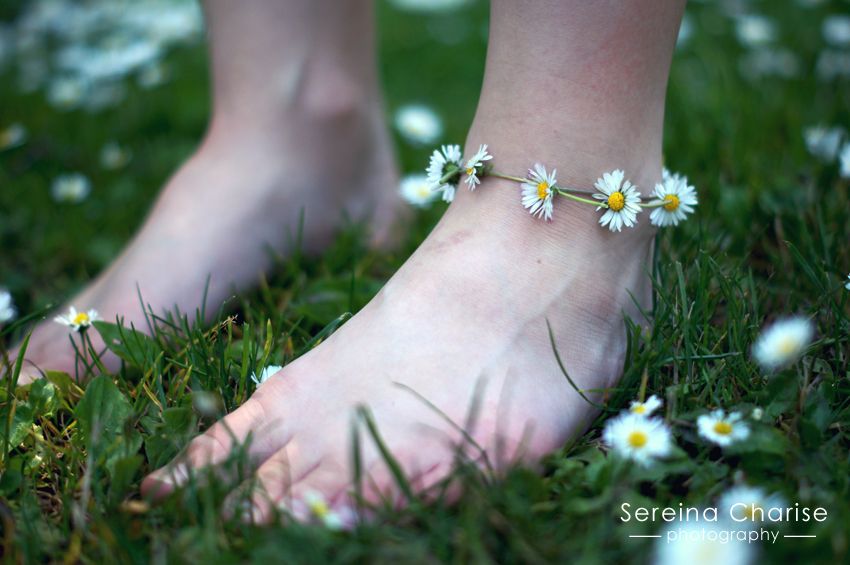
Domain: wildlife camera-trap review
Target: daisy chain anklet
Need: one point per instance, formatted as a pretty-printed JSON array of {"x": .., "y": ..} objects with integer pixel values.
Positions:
[{"x": 674, "y": 199}]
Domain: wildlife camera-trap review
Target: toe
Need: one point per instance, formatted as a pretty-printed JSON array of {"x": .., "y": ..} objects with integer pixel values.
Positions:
[
  {"x": 217, "y": 445},
  {"x": 316, "y": 493}
]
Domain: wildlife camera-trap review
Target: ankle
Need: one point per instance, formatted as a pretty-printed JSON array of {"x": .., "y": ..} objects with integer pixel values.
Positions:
[
  {"x": 314, "y": 95},
  {"x": 578, "y": 166}
]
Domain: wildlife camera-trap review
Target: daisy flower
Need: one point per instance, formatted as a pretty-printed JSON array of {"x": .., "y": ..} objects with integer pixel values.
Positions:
[
  {"x": 847, "y": 284},
  {"x": 314, "y": 507},
  {"x": 537, "y": 192},
  {"x": 686, "y": 29},
  {"x": 637, "y": 438},
  {"x": 753, "y": 30},
  {"x": 620, "y": 197},
  {"x": 152, "y": 75},
  {"x": 77, "y": 321},
  {"x": 113, "y": 156},
  {"x": 769, "y": 62},
  {"x": 700, "y": 544},
  {"x": 844, "y": 160},
  {"x": 206, "y": 403},
  {"x": 833, "y": 64},
  {"x": 836, "y": 30},
  {"x": 475, "y": 166},
  {"x": 757, "y": 414},
  {"x": 265, "y": 374},
  {"x": 823, "y": 142},
  {"x": 72, "y": 188},
  {"x": 443, "y": 161},
  {"x": 652, "y": 404},
  {"x": 66, "y": 93},
  {"x": 748, "y": 504},
  {"x": 721, "y": 429},
  {"x": 679, "y": 200},
  {"x": 12, "y": 136},
  {"x": 7, "y": 308},
  {"x": 783, "y": 342},
  {"x": 418, "y": 124},
  {"x": 416, "y": 190},
  {"x": 433, "y": 6}
]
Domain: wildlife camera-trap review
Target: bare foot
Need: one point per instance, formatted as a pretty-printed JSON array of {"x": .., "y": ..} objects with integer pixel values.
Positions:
[
  {"x": 239, "y": 196},
  {"x": 469, "y": 308}
]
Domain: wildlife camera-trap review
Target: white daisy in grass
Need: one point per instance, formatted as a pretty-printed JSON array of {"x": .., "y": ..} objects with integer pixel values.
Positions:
[
  {"x": 13, "y": 136},
  {"x": 646, "y": 408},
  {"x": 823, "y": 142},
  {"x": 537, "y": 191},
  {"x": 432, "y": 6},
  {"x": 753, "y": 30},
  {"x": 443, "y": 161},
  {"x": 679, "y": 200},
  {"x": 833, "y": 64},
  {"x": 750, "y": 505},
  {"x": 722, "y": 429},
  {"x": 621, "y": 198},
  {"x": 638, "y": 438},
  {"x": 152, "y": 75},
  {"x": 265, "y": 374},
  {"x": 207, "y": 404},
  {"x": 475, "y": 166},
  {"x": 836, "y": 30},
  {"x": 77, "y": 321},
  {"x": 313, "y": 506},
  {"x": 418, "y": 124},
  {"x": 113, "y": 156},
  {"x": 847, "y": 284},
  {"x": 72, "y": 188},
  {"x": 686, "y": 29},
  {"x": 783, "y": 342},
  {"x": 844, "y": 160},
  {"x": 701, "y": 544},
  {"x": 416, "y": 190},
  {"x": 66, "y": 93},
  {"x": 7, "y": 307}
]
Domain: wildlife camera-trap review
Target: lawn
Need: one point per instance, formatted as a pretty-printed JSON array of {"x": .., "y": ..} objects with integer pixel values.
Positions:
[{"x": 769, "y": 240}]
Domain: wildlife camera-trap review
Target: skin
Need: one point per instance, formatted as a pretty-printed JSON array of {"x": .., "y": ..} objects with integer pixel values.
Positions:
[
  {"x": 293, "y": 83},
  {"x": 575, "y": 85}
]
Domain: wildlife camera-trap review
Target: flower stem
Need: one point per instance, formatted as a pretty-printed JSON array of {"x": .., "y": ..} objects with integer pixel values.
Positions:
[
  {"x": 506, "y": 177},
  {"x": 562, "y": 192},
  {"x": 575, "y": 190},
  {"x": 492, "y": 173},
  {"x": 448, "y": 176}
]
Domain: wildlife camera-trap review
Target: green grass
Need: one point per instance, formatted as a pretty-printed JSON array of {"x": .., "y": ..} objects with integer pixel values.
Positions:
[{"x": 769, "y": 239}]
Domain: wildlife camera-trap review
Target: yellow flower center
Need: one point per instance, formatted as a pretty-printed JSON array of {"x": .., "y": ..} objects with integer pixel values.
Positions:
[
  {"x": 542, "y": 190},
  {"x": 319, "y": 508},
  {"x": 81, "y": 319},
  {"x": 470, "y": 170},
  {"x": 787, "y": 346},
  {"x": 723, "y": 428},
  {"x": 616, "y": 201},
  {"x": 750, "y": 511},
  {"x": 637, "y": 439},
  {"x": 672, "y": 202},
  {"x": 639, "y": 409}
]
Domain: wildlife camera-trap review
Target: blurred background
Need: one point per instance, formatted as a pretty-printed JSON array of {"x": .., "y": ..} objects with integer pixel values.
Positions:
[{"x": 100, "y": 100}]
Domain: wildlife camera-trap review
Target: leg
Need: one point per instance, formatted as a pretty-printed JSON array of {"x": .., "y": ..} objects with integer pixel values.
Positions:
[
  {"x": 293, "y": 82},
  {"x": 575, "y": 85}
]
